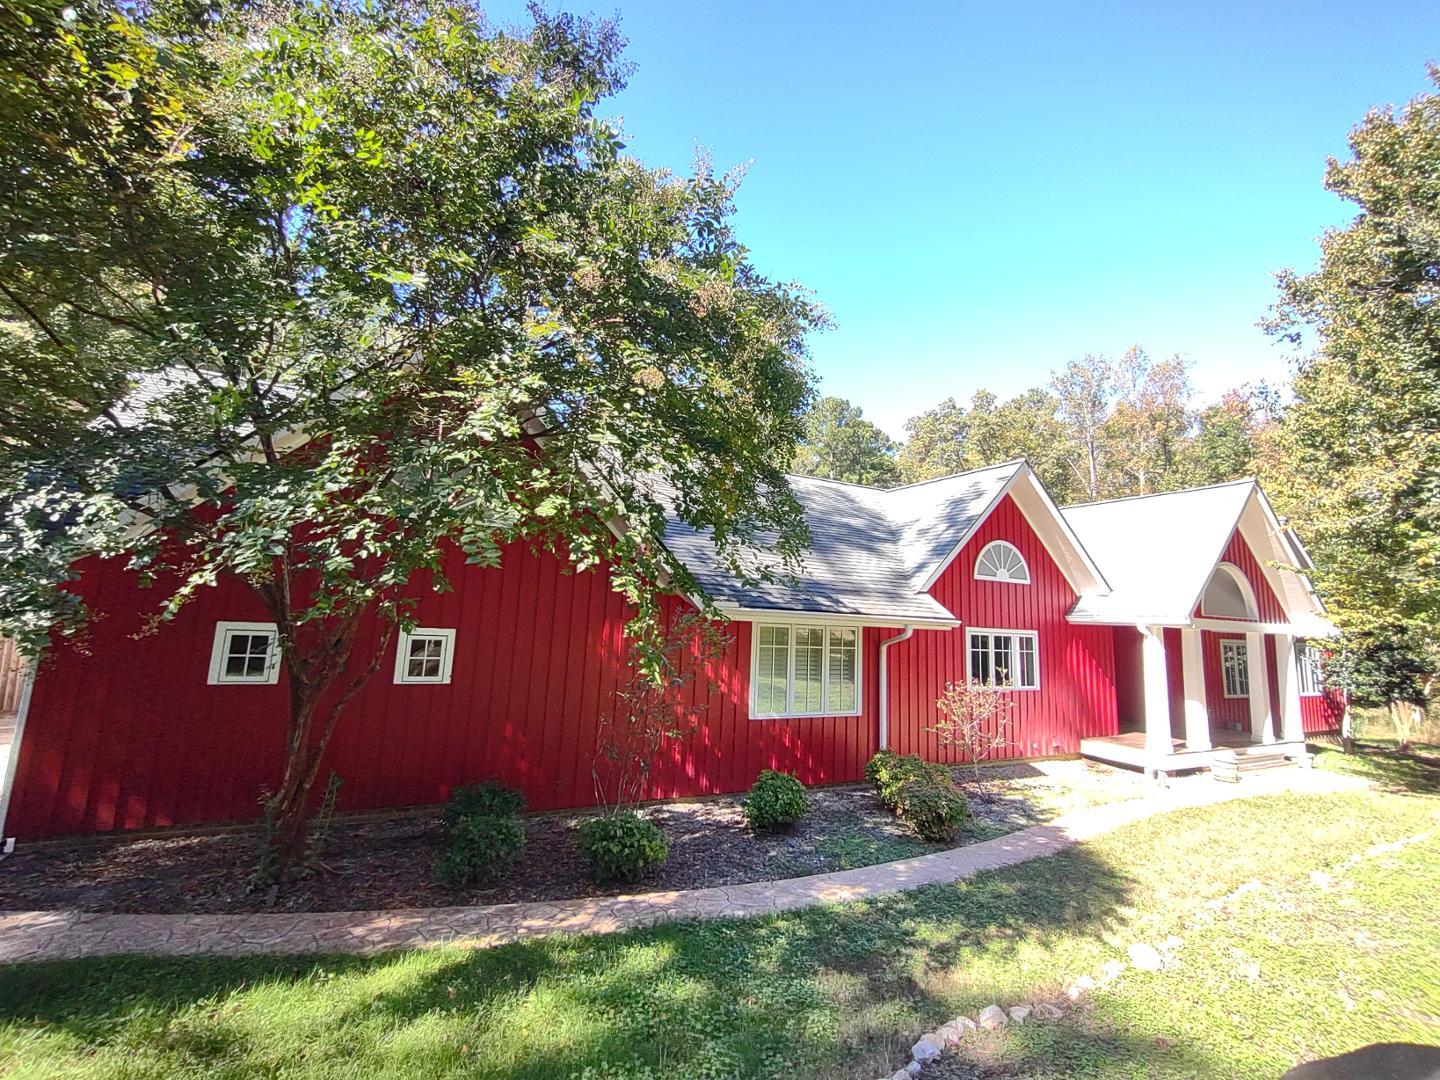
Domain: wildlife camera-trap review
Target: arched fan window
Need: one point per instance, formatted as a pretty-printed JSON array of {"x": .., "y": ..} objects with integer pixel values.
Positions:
[{"x": 1002, "y": 562}]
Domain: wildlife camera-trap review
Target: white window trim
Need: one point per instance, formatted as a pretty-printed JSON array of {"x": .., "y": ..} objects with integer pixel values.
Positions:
[
  {"x": 219, "y": 650},
  {"x": 1304, "y": 649},
  {"x": 1033, "y": 635},
  {"x": 1247, "y": 592},
  {"x": 1003, "y": 581},
  {"x": 402, "y": 656},
  {"x": 789, "y": 714},
  {"x": 1244, "y": 648}
]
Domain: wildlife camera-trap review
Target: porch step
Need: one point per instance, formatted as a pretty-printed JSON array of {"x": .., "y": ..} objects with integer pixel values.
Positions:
[{"x": 1229, "y": 765}]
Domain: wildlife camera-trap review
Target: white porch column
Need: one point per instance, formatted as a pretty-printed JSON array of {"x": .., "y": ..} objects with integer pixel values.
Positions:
[
  {"x": 1197, "y": 708},
  {"x": 1156, "y": 686},
  {"x": 1287, "y": 680},
  {"x": 1261, "y": 729}
]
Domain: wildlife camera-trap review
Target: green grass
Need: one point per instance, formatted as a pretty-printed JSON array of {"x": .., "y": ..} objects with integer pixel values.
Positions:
[{"x": 1276, "y": 976}]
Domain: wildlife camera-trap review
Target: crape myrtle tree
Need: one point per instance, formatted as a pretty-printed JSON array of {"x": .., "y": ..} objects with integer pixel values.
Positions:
[
  {"x": 315, "y": 293},
  {"x": 1361, "y": 442}
]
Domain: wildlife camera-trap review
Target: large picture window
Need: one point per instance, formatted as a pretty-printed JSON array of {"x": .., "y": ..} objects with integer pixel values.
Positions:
[
  {"x": 805, "y": 670},
  {"x": 1009, "y": 659},
  {"x": 1235, "y": 667},
  {"x": 245, "y": 652},
  {"x": 1307, "y": 665}
]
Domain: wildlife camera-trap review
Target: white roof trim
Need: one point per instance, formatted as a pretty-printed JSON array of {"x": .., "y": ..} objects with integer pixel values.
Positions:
[{"x": 748, "y": 614}]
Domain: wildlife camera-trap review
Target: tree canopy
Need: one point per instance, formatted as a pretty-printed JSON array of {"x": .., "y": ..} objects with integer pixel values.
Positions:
[
  {"x": 840, "y": 444},
  {"x": 307, "y": 293}
]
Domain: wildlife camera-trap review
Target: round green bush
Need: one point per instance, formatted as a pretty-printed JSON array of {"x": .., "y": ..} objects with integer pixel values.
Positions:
[
  {"x": 621, "y": 847},
  {"x": 479, "y": 847},
  {"x": 932, "y": 807},
  {"x": 776, "y": 801},
  {"x": 888, "y": 771},
  {"x": 481, "y": 800}
]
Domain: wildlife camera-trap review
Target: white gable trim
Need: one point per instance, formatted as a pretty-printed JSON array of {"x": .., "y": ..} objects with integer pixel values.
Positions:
[{"x": 1059, "y": 540}]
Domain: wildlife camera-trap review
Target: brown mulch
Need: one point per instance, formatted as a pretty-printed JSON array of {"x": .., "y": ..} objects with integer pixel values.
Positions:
[{"x": 374, "y": 865}]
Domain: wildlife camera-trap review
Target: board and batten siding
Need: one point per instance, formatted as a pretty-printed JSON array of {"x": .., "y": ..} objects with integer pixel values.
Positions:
[
  {"x": 124, "y": 732},
  {"x": 1077, "y": 696}
]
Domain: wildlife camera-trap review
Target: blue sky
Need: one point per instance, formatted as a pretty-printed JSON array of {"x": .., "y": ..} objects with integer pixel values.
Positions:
[{"x": 980, "y": 193}]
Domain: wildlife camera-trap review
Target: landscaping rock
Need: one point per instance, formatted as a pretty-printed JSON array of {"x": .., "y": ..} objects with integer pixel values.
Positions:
[
  {"x": 1019, "y": 1013},
  {"x": 993, "y": 1018},
  {"x": 1111, "y": 970},
  {"x": 1145, "y": 957},
  {"x": 954, "y": 1032},
  {"x": 1320, "y": 878},
  {"x": 1046, "y": 1011},
  {"x": 1079, "y": 987},
  {"x": 928, "y": 1048},
  {"x": 913, "y": 1069},
  {"x": 901, "y": 1074}
]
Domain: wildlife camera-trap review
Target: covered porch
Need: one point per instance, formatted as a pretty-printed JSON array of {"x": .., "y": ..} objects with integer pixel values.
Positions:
[{"x": 1216, "y": 692}]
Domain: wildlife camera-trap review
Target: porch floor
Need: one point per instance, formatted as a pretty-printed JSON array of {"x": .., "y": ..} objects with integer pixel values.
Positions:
[{"x": 1128, "y": 748}]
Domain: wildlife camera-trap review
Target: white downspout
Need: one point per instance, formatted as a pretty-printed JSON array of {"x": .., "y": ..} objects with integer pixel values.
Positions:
[
  {"x": 904, "y": 635},
  {"x": 12, "y": 763}
]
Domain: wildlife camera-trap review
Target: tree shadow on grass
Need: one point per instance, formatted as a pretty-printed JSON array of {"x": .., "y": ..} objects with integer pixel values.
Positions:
[
  {"x": 752, "y": 997},
  {"x": 1393, "y": 771}
]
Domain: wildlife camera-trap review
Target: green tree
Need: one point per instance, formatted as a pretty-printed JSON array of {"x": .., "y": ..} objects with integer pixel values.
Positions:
[
  {"x": 936, "y": 443},
  {"x": 1149, "y": 425},
  {"x": 840, "y": 444},
  {"x": 388, "y": 286},
  {"x": 1362, "y": 439},
  {"x": 1086, "y": 392},
  {"x": 1232, "y": 436},
  {"x": 1026, "y": 426}
]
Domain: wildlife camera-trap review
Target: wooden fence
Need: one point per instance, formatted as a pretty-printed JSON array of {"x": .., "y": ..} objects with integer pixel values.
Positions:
[{"x": 12, "y": 677}]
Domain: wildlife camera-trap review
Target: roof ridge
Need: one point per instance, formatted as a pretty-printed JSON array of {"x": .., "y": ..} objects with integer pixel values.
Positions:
[
  {"x": 1160, "y": 494},
  {"x": 952, "y": 476}
]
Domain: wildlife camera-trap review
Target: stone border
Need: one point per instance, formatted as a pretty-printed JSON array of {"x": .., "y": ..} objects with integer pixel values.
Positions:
[{"x": 55, "y": 935}]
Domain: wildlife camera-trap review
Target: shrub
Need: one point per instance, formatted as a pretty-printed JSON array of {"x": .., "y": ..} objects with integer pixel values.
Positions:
[
  {"x": 776, "y": 801},
  {"x": 895, "y": 769},
  {"x": 934, "y": 809},
  {"x": 481, "y": 800},
  {"x": 621, "y": 847},
  {"x": 479, "y": 846}
]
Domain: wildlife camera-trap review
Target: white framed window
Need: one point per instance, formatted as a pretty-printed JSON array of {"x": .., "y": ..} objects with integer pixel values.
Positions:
[
  {"x": 1004, "y": 658},
  {"x": 1307, "y": 668},
  {"x": 425, "y": 655},
  {"x": 1235, "y": 667},
  {"x": 1002, "y": 561},
  {"x": 245, "y": 652},
  {"x": 800, "y": 669}
]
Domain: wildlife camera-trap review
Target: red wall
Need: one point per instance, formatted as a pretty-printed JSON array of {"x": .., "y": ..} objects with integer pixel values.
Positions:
[
  {"x": 1320, "y": 714},
  {"x": 1077, "y": 664},
  {"x": 124, "y": 732}
]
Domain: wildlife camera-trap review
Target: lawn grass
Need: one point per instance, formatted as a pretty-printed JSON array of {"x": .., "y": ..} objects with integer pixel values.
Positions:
[{"x": 1282, "y": 972}]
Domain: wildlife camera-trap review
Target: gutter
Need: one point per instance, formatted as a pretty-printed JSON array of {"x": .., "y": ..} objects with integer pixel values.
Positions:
[{"x": 904, "y": 635}]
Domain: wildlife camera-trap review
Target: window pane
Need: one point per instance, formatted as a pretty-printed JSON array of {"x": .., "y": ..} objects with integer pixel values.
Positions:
[
  {"x": 842, "y": 672},
  {"x": 980, "y": 658},
  {"x": 247, "y": 656},
  {"x": 1001, "y": 646},
  {"x": 809, "y": 669},
  {"x": 1027, "y": 662},
  {"x": 774, "y": 667}
]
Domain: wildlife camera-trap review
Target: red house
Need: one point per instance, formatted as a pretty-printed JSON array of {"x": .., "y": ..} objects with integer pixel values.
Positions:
[{"x": 1154, "y": 631}]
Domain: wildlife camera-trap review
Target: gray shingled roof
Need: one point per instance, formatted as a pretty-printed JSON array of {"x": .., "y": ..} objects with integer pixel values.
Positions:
[{"x": 871, "y": 550}]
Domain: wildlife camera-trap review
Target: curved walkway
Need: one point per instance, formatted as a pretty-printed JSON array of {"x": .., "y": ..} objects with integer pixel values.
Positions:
[{"x": 53, "y": 935}]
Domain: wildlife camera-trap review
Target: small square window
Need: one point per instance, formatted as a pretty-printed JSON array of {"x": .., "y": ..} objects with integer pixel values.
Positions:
[
  {"x": 245, "y": 652},
  {"x": 425, "y": 656}
]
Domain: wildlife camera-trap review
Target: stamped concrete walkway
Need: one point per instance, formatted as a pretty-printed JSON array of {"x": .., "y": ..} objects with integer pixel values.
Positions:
[{"x": 49, "y": 935}]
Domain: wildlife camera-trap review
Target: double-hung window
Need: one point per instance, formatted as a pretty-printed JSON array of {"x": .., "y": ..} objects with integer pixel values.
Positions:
[
  {"x": 1307, "y": 664},
  {"x": 425, "y": 656},
  {"x": 245, "y": 652},
  {"x": 805, "y": 670},
  {"x": 1235, "y": 667},
  {"x": 1008, "y": 659}
]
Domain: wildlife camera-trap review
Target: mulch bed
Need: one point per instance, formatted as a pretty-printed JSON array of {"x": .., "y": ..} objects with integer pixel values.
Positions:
[{"x": 375, "y": 865}]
